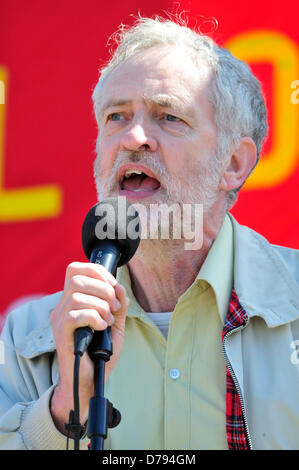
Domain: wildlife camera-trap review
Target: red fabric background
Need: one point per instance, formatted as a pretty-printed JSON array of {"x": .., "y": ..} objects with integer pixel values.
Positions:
[{"x": 52, "y": 51}]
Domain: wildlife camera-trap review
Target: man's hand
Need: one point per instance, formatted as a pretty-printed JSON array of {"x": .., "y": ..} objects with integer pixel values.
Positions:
[{"x": 91, "y": 297}]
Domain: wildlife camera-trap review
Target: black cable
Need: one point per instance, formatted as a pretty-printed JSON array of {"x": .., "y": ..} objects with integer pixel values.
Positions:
[
  {"x": 74, "y": 425},
  {"x": 77, "y": 432},
  {"x": 82, "y": 339}
]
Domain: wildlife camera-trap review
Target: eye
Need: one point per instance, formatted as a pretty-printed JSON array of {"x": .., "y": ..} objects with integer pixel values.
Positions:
[
  {"x": 114, "y": 117},
  {"x": 171, "y": 118}
]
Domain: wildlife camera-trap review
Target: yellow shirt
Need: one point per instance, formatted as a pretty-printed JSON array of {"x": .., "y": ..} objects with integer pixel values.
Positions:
[{"x": 171, "y": 393}]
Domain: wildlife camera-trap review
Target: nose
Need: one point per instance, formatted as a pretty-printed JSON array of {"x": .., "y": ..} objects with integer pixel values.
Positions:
[{"x": 139, "y": 136}]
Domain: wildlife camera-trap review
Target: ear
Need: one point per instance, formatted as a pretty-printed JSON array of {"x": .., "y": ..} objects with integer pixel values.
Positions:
[{"x": 240, "y": 164}]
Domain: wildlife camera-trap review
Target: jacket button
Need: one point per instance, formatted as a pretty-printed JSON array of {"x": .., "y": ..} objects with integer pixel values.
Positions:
[{"x": 174, "y": 374}]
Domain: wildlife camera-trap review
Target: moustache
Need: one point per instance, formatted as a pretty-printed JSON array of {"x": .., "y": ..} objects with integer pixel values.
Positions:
[{"x": 149, "y": 159}]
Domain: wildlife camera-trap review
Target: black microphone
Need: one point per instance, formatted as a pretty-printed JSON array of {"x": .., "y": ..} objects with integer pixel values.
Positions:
[{"x": 110, "y": 237}]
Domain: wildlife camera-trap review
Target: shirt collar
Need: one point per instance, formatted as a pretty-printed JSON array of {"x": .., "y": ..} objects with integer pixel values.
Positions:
[{"x": 218, "y": 267}]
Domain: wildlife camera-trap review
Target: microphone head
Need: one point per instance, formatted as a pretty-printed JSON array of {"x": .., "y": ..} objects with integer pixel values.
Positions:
[{"x": 116, "y": 220}]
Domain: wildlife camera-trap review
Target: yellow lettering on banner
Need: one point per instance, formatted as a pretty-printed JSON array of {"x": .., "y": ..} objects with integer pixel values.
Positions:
[
  {"x": 282, "y": 53},
  {"x": 23, "y": 204},
  {"x": 2, "y": 92}
]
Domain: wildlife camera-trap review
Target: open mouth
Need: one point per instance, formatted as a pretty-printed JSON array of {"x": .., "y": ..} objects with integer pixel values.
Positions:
[{"x": 137, "y": 181}]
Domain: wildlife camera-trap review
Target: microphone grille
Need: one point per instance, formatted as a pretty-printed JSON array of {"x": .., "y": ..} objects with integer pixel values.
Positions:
[{"x": 113, "y": 219}]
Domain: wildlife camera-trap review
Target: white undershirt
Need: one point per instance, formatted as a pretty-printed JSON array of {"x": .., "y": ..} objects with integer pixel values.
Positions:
[{"x": 161, "y": 320}]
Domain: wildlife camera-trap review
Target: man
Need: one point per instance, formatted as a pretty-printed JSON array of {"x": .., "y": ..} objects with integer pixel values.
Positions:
[{"x": 202, "y": 354}]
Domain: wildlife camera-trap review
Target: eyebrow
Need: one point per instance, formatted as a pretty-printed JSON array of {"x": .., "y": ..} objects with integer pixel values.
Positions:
[
  {"x": 112, "y": 103},
  {"x": 164, "y": 101}
]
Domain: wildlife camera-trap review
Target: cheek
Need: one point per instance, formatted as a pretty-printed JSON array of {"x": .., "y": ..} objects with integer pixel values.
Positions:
[
  {"x": 107, "y": 149},
  {"x": 183, "y": 160}
]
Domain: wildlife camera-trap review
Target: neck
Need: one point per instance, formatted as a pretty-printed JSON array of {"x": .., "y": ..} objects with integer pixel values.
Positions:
[{"x": 162, "y": 270}]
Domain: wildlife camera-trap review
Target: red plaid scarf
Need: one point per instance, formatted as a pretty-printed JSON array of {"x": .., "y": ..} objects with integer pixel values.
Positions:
[{"x": 235, "y": 426}]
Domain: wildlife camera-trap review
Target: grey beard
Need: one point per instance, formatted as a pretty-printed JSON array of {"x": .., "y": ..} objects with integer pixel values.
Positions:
[{"x": 199, "y": 189}]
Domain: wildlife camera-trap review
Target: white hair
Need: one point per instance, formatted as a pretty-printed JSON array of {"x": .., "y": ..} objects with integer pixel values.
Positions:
[{"x": 235, "y": 93}]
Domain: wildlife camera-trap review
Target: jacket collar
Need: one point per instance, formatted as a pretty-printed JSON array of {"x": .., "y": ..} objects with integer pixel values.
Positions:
[{"x": 263, "y": 283}]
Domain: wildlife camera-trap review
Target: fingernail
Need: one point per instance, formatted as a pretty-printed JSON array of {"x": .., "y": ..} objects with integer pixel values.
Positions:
[{"x": 113, "y": 281}]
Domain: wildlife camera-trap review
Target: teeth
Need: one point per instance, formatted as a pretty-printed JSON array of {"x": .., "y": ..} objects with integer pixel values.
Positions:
[{"x": 128, "y": 173}]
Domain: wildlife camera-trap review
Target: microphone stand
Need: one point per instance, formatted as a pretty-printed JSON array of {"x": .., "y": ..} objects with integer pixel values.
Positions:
[{"x": 102, "y": 414}]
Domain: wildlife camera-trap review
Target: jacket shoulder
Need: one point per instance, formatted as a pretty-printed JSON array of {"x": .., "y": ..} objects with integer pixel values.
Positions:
[{"x": 290, "y": 257}]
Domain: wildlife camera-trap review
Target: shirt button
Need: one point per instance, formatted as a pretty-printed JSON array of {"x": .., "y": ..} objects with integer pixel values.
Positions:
[{"x": 174, "y": 374}]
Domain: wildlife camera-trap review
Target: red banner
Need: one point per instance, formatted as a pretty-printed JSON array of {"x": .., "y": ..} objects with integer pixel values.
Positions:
[{"x": 50, "y": 53}]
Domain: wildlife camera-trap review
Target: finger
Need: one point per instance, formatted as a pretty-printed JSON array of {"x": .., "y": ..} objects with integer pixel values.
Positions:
[
  {"x": 96, "y": 271},
  {"x": 92, "y": 287},
  {"x": 79, "y": 301},
  {"x": 120, "y": 293},
  {"x": 85, "y": 317}
]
